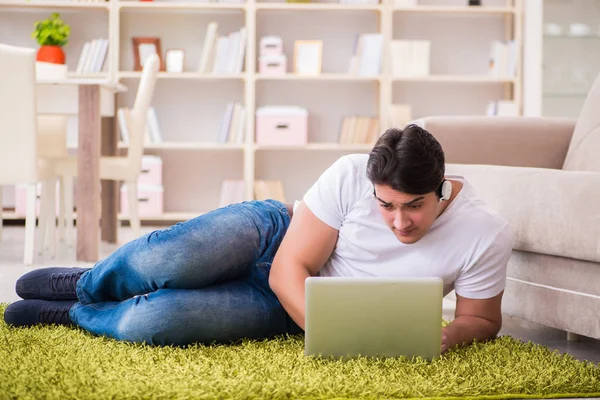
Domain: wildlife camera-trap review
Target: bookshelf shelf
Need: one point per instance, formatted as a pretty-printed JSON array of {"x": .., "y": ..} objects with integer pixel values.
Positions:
[
  {"x": 133, "y": 5},
  {"x": 168, "y": 216},
  {"x": 318, "y": 7},
  {"x": 191, "y": 146},
  {"x": 183, "y": 75},
  {"x": 321, "y": 77},
  {"x": 192, "y": 108},
  {"x": 454, "y": 79},
  {"x": 100, "y": 75},
  {"x": 318, "y": 147},
  {"x": 176, "y": 216},
  {"x": 474, "y": 10},
  {"x": 55, "y": 4}
]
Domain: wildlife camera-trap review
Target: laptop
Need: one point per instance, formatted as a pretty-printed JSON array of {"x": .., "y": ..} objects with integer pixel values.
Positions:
[{"x": 373, "y": 317}]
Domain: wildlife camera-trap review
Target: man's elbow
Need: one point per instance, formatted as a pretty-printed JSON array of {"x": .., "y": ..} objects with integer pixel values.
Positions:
[
  {"x": 494, "y": 327},
  {"x": 274, "y": 281}
]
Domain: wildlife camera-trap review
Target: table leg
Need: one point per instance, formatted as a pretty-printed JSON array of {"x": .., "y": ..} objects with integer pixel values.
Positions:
[
  {"x": 88, "y": 173},
  {"x": 110, "y": 199}
]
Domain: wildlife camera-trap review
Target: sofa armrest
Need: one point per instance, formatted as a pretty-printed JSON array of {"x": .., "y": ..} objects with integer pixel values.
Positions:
[
  {"x": 513, "y": 141},
  {"x": 549, "y": 211}
]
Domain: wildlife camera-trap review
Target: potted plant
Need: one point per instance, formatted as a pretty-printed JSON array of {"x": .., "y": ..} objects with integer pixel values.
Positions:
[{"x": 51, "y": 34}]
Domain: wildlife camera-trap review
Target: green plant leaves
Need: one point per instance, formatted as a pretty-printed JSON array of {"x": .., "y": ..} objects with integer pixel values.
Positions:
[{"x": 51, "y": 32}]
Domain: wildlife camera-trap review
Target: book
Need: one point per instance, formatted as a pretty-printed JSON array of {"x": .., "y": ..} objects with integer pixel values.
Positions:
[
  {"x": 232, "y": 192},
  {"x": 208, "y": 48},
  {"x": 269, "y": 189},
  {"x": 153, "y": 127},
  {"x": 400, "y": 115}
]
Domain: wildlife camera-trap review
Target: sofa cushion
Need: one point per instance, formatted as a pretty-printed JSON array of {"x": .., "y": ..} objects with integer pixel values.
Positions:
[
  {"x": 583, "y": 149},
  {"x": 549, "y": 211}
]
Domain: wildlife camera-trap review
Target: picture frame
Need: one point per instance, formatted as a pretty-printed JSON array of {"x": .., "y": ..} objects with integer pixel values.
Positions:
[
  {"x": 143, "y": 47},
  {"x": 308, "y": 57},
  {"x": 174, "y": 59}
]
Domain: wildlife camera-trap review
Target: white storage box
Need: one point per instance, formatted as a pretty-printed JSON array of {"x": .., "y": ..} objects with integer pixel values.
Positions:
[
  {"x": 150, "y": 201},
  {"x": 151, "y": 174},
  {"x": 282, "y": 125},
  {"x": 270, "y": 45},
  {"x": 272, "y": 64}
]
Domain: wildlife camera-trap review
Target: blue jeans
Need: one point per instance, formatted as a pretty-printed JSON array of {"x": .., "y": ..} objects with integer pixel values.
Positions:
[{"x": 204, "y": 280}]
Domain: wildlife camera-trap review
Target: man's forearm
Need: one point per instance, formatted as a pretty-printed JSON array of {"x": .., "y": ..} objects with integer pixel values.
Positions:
[
  {"x": 464, "y": 329},
  {"x": 290, "y": 292}
]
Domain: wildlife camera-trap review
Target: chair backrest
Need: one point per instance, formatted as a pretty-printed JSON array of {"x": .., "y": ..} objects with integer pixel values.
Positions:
[
  {"x": 139, "y": 113},
  {"x": 18, "y": 116},
  {"x": 585, "y": 144}
]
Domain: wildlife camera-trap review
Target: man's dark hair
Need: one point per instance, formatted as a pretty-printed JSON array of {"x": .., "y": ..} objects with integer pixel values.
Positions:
[{"x": 408, "y": 160}]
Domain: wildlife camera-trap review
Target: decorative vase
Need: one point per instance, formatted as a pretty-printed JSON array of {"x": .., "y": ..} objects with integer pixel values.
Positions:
[{"x": 51, "y": 54}]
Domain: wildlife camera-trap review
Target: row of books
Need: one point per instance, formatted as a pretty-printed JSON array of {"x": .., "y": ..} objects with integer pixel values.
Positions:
[
  {"x": 410, "y": 57},
  {"x": 366, "y": 59},
  {"x": 233, "y": 191},
  {"x": 233, "y": 126},
  {"x": 152, "y": 133},
  {"x": 503, "y": 59},
  {"x": 359, "y": 130},
  {"x": 223, "y": 54},
  {"x": 92, "y": 56}
]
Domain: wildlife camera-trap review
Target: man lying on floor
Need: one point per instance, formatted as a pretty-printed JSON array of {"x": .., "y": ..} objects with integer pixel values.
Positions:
[{"x": 239, "y": 271}]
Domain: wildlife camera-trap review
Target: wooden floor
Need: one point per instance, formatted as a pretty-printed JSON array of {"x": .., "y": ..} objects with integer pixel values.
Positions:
[{"x": 11, "y": 268}]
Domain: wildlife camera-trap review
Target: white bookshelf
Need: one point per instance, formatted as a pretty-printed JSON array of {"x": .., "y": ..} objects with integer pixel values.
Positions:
[{"x": 190, "y": 105}]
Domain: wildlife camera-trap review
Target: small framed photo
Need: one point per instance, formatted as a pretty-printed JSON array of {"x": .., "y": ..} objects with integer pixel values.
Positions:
[
  {"x": 174, "y": 59},
  {"x": 144, "y": 47},
  {"x": 308, "y": 57}
]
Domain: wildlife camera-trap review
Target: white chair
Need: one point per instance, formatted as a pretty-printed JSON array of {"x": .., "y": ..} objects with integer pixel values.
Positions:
[
  {"x": 19, "y": 160},
  {"x": 125, "y": 169},
  {"x": 52, "y": 145}
]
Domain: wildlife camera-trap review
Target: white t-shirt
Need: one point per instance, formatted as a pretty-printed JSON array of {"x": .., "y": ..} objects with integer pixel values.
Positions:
[{"x": 468, "y": 245}]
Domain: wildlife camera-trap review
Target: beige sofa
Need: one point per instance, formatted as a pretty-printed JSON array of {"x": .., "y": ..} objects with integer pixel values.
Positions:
[{"x": 543, "y": 176}]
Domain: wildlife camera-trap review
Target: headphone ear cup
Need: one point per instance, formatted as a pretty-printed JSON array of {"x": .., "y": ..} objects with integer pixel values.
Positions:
[{"x": 446, "y": 190}]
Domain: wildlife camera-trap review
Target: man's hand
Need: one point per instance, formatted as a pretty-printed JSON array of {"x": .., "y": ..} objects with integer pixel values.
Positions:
[
  {"x": 479, "y": 319},
  {"x": 444, "y": 340}
]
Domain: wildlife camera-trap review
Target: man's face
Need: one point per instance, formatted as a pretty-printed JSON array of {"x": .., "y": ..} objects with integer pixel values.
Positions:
[{"x": 409, "y": 216}]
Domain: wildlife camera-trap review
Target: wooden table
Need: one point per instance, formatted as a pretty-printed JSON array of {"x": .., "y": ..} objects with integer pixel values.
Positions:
[{"x": 88, "y": 162}]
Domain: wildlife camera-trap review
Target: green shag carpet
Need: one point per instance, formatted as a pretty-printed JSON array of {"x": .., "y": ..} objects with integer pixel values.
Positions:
[{"x": 55, "y": 362}]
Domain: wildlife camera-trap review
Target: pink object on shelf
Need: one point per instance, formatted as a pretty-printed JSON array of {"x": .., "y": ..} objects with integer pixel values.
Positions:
[
  {"x": 21, "y": 200},
  {"x": 272, "y": 65},
  {"x": 270, "y": 45},
  {"x": 150, "y": 201},
  {"x": 151, "y": 174},
  {"x": 282, "y": 125}
]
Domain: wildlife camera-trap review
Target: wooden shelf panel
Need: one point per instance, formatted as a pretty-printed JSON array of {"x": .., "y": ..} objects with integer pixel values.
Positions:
[
  {"x": 55, "y": 4},
  {"x": 321, "y": 77},
  {"x": 474, "y": 10},
  {"x": 319, "y": 147},
  {"x": 183, "y": 5},
  {"x": 183, "y": 75},
  {"x": 200, "y": 146},
  {"x": 187, "y": 146},
  {"x": 318, "y": 7},
  {"x": 167, "y": 216},
  {"x": 454, "y": 78}
]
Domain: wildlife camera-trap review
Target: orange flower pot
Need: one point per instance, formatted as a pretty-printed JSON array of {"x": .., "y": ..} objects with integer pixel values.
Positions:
[{"x": 51, "y": 54}]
